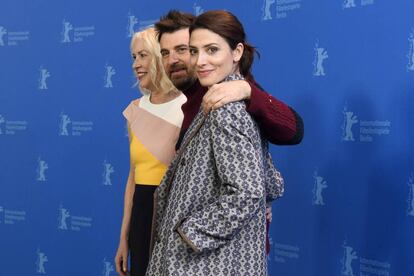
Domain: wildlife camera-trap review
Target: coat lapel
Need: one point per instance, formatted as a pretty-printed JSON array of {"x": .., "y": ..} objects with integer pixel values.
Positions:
[{"x": 191, "y": 132}]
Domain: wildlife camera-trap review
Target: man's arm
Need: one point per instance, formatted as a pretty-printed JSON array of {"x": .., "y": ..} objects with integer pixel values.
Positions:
[{"x": 279, "y": 123}]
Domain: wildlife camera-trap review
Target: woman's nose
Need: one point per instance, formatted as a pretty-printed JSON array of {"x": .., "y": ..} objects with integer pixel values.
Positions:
[
  {"x": 136, "y": 63},
  {"x": 201, "y": 59}
]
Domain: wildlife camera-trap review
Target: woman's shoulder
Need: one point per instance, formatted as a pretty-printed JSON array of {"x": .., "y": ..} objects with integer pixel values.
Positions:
[
  {"x": 236, "y": 108},
  {"x": 179, "y": 98},
  {"x": 234, "y": 114},
  {"x": 129, "y": 111},
  {"x": 135, "y": 102}
]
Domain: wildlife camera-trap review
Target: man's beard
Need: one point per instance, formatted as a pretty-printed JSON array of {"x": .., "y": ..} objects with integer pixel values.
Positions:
[{"x": 184, "y": 82}]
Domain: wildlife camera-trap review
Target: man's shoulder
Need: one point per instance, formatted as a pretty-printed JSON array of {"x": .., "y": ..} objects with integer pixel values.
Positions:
[{"x": 196, "y": 87}]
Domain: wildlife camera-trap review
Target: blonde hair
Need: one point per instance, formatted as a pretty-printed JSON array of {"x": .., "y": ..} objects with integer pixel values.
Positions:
[{"x": 156, "y": 71}]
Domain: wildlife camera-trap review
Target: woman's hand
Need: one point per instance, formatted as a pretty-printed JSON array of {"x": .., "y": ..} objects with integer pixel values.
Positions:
[{"x": 121, "y": 258}]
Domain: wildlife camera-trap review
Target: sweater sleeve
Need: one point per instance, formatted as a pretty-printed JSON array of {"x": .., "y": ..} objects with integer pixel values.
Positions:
[{"x": 279, "y": 123}]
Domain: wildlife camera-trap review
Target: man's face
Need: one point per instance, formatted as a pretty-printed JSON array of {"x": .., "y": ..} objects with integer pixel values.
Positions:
[{"x": 176, "y": 58}]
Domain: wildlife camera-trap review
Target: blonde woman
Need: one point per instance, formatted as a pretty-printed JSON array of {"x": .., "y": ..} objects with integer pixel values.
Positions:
[{"x": 154, "y": 122}]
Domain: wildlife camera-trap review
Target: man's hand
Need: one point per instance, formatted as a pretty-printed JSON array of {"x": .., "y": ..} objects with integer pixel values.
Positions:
[
  {"x": 269, "y": 213},
  {"x": 224, "y": 93}
]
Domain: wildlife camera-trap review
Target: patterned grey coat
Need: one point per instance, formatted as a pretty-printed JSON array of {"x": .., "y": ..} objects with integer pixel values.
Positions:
[{"x": 209, "y": 212}]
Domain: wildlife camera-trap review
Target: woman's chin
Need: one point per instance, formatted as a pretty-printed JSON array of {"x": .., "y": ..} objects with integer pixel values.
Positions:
[{"x": 205, "y": 82}]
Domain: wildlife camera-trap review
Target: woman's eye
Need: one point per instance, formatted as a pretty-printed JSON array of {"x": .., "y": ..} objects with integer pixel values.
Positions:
[
  {"x": 134, "y": 57},
  {"x": 193, "y": 52},
  {"x": 212, "y": 50}
]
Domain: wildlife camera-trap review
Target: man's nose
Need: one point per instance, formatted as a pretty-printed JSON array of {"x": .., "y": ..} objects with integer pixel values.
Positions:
[{"x": 172, "y": 58}]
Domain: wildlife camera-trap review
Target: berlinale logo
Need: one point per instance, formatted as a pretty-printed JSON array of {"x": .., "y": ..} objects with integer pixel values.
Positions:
[
  {"x": 410, "y": 183},
  {"x": 44, "y": 74},
  {"x": 63, "y": 126},
  {"x": 266, "y": 14},
  {"x": 132, "y": 21},
  {"x": 197, "y": 9},
  {"x": 350, "y": 119},
  {"x": 108, "y": 171},
  {"x": 347, "y": 259},
  {"x": 410, "y": 55},
  {"x": 63, "y": 216},
  {"x": 41, "y": 169},
  {"x": 40, "y": 262},
  {"x": 319, "y": 186},
  {"x": 107, "y": 268},
  {"x": 3, "y": 32},
  {"x": 320, "y": 55},
  {"x": 349, "y": 4},
  {"x": 67, "y": 27},
  {"x": 2, "y": 121},
  {"x": 109, "y": 72}
]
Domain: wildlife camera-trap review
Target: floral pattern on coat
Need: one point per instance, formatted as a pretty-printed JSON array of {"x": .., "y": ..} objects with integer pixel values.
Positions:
[{"x": 209, "y": 215}]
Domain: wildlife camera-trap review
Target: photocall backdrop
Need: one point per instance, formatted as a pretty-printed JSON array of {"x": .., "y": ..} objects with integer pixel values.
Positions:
[{"x": 346, "y": 66}]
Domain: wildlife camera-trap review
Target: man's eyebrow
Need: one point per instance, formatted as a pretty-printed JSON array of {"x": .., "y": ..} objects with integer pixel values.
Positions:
[{"x": 181, "y": 45}]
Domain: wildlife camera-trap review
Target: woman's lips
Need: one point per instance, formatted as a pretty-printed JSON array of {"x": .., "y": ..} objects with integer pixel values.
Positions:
[
  {"x": 203, "y": 73},
  {"x": 140, "y": 75}
]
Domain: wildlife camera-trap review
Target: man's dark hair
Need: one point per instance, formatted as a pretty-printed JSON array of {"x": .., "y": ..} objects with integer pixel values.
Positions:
[{"x": 173, "y": 21}]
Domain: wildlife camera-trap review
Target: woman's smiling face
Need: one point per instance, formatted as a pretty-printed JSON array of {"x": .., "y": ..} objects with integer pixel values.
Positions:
[
  {"x": 214, "y": 58},
  {"x": 142, "y": 62}
]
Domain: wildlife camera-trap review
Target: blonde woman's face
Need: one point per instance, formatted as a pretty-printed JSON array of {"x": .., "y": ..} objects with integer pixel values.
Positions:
[{"x": 142, "y": 59}]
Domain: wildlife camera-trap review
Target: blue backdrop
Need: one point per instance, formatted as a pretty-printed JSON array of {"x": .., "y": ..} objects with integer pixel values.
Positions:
[{"x": 347, "y": 66}]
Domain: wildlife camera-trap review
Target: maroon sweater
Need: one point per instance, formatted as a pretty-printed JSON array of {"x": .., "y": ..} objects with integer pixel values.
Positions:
[{"x": 279, "y": 123}]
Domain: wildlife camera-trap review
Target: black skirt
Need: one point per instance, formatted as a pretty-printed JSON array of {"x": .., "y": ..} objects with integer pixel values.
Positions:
[{"x": 140, "y": 228}]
